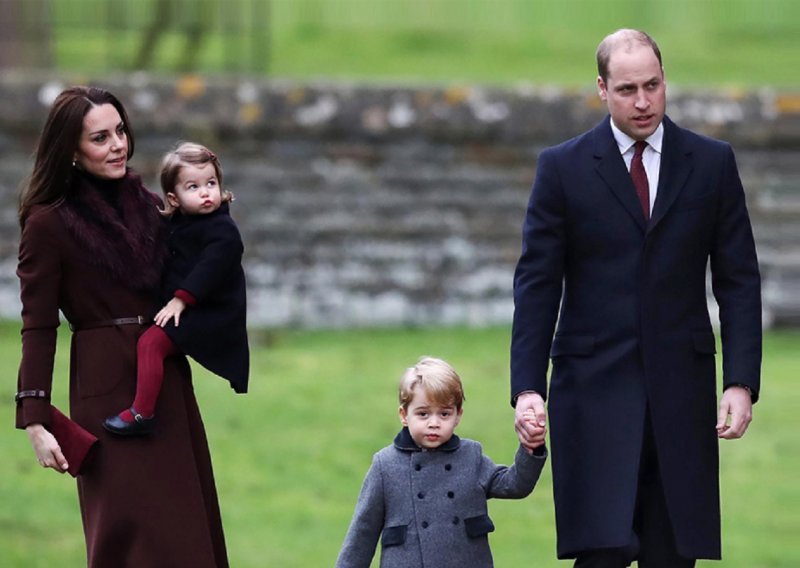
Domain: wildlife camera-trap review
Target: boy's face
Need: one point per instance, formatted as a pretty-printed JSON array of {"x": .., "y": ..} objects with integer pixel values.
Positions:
[
  {"x": 430, "y": 424},
  {"x": 196, "y": 190}
]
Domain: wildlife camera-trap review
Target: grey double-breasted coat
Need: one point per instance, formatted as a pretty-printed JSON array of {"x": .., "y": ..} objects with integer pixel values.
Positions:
[{"x": 429, "y": 506}]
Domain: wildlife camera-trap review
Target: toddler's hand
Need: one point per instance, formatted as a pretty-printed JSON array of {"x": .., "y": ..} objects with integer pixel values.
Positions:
[{"x": 173, "y": 309}]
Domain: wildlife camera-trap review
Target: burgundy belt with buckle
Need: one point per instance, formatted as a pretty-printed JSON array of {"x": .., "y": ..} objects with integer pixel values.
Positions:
[{"x": 138, "y": 320}]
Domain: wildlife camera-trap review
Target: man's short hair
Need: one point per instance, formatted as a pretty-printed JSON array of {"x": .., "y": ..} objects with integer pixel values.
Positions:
[{"x": 625, "y": 38}]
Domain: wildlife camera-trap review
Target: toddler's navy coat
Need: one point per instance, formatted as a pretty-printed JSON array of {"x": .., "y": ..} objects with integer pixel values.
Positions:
[{"x": 206, "y": 261}]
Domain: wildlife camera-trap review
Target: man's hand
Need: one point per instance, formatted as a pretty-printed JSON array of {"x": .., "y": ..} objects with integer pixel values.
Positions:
[
  {"x": 737, "y": 405},
  {"x": 530, "y": 429}
]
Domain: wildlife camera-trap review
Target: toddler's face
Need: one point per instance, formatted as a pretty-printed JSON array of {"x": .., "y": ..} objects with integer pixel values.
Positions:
[
  {"x": 429, "y": 423},
  {"x": 197, "y": 190}
]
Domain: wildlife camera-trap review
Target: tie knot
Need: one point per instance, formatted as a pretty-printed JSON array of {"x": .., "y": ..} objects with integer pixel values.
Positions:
[{"x": 639, "y": 147}]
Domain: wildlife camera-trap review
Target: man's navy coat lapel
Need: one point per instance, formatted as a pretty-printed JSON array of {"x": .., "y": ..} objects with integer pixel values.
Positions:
[
  {"x": 676, "y": 165},
  {"x": 611, "y": 168}
]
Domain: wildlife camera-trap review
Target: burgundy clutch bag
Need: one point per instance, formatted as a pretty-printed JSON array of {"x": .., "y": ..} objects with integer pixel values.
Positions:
[{"x": 75, "y": 441}]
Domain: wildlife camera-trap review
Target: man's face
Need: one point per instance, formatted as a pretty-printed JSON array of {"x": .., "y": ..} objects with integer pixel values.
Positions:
[{"x": 635, "y": 90}]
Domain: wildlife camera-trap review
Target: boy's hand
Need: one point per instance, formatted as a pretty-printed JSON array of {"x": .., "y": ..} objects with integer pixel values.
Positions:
[
  {"x": 538, "y": 432},
  {"x": 531, "y": 432},
  {"x": 173, "y": 309}
]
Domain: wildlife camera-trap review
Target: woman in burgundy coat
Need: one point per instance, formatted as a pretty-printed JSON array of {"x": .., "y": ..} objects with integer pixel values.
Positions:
[{"x": 92, "y": 248}]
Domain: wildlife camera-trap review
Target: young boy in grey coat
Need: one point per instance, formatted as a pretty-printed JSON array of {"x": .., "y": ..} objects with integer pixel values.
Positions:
[{"x": 427, "y": 492}]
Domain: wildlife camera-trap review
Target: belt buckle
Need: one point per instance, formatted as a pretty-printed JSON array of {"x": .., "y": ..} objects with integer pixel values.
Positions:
[{"x": 140, "y": 320}]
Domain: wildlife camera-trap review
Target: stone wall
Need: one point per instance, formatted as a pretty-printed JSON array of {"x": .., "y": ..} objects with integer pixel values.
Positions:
[{"x": 381, "y": 205}]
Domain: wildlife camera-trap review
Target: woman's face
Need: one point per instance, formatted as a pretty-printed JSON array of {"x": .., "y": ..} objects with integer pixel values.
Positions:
[{"x": 103, "y": 146}]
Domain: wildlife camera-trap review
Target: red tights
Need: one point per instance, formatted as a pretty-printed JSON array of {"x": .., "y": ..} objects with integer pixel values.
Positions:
[{"x": 153, "y": 347}]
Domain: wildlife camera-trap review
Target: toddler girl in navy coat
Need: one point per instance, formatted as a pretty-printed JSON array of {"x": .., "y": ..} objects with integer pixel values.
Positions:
[
  {"x": 425, "y": 495},
  {"x": 203, "y": 287}
]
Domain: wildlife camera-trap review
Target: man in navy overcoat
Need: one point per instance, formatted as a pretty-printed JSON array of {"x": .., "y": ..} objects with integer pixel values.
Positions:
[{"x": 618, "y": 272}]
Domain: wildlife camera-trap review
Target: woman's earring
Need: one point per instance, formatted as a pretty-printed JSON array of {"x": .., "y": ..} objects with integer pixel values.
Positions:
[{"x": 73, "y": 162}]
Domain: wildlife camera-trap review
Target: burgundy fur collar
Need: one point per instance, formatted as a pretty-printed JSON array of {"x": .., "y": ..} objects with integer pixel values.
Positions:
[{"x": 122, "y": 231}]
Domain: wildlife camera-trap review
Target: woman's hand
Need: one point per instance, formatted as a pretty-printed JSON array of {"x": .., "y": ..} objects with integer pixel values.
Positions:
[
  {"x": 173, "y": 309},
  {"x": 48, "y": 452}
]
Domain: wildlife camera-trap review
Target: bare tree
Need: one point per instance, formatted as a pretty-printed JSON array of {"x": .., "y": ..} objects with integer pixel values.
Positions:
[
  {"x": 173, "y": 16},
  {"x": 25, "y": 33}
]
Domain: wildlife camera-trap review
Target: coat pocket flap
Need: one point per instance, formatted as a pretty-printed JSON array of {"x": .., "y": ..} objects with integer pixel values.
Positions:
[
  {"x": 478, "y": 526},
  {"x": 704, "y": 342},
  {"x": 392, "y": 536},
  {"x": 572, "y": 345}
]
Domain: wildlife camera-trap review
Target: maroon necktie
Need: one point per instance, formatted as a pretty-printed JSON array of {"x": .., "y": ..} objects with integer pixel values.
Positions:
[{"x": 639, "y": 177}]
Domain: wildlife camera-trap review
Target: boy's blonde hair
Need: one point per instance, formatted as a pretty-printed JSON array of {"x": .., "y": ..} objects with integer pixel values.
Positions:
[
  {"x": 185, "y": 154},
  {"x": 440, "y": 381}
]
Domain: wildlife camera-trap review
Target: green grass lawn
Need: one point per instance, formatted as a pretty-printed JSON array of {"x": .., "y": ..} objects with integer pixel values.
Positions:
[
  {"x": 736, "y": 43},
  {"x": 290, "y": 456}
]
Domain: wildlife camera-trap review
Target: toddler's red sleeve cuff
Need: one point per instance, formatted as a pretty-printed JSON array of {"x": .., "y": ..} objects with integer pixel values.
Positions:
[{"x": 188, "y": 299}]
